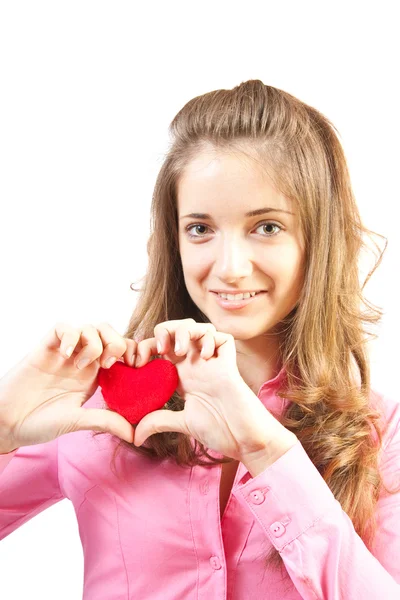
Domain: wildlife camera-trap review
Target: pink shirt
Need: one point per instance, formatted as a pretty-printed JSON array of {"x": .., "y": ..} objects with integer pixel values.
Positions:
[{"x": 158, "y": 536}]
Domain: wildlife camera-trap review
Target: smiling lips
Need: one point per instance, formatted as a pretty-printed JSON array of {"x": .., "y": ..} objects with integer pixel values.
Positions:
[
  {"x": 238, "y": 296},
  {"x": 235, "y": 292},
  {"x": 235, "y": 304}
]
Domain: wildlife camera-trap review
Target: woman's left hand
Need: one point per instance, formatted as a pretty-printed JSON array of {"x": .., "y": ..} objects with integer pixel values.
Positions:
[{"x": 220, "y": 410}]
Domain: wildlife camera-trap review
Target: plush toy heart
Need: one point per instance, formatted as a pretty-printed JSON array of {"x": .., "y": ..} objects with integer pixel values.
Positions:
[{"x": 133, "y": 392}]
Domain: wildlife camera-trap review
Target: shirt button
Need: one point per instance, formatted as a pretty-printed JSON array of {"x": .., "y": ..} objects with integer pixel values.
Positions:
[
  {"x": 215, "y": 562},
  {"x": 277, "y": 529},
  {"x": 257, "y": 497}
]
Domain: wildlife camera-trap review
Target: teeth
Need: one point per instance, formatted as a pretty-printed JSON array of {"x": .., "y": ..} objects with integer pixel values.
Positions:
[{"x": 237, "y": 296}]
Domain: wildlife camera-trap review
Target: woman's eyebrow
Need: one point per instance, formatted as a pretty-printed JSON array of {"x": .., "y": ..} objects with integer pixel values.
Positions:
[{"x": 252, "y": 213}]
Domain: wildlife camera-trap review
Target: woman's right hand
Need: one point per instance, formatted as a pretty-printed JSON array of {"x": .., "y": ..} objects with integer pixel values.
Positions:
[{"x": 41, "y": 397}]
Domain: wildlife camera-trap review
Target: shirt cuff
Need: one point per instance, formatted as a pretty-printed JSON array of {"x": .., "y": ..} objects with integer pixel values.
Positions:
[{"x": 288, "y": 497}]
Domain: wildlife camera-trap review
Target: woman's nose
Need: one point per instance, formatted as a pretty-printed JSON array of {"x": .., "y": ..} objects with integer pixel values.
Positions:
[{"x": 233, "y": 261}]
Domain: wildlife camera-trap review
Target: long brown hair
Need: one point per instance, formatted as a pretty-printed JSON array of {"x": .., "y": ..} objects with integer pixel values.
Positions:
[{"x": 322, "y": 341}]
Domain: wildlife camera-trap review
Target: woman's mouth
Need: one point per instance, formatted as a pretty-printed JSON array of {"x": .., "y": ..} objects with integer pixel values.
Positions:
[{"x": 235, "y": 304}]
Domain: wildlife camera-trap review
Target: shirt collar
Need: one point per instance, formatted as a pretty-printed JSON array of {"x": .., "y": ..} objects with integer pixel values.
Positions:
[{"x": 267, "y": 394}]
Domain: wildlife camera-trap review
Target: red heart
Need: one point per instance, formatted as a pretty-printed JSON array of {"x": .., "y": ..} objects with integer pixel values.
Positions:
[{"x": 133, "y": 392}]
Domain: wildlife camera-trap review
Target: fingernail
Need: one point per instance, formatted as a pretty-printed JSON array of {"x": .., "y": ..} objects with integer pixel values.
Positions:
[
  {"x": 159, "y": 347},
  {"x": 177, "y": 346},
  {"x": 110, "y": 361},
  {"x": 69, "y": 351},
  {"x": 83, "y": 363}
]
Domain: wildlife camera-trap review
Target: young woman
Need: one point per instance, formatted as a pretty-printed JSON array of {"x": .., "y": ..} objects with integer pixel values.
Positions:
[{"x": 272, "y": 470}]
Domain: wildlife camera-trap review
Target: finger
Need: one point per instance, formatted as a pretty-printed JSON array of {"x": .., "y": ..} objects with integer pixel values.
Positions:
[
  {"x": 208, "y": 344},
  {"x": 159, "y": 421},
  {"x": 163, "y": 340},
  {"x": 145, "y": 349},
  {"x": 104, "y": 342},
  {"x": 92, "y": 347},
  {"x": 171, "y": 331},
  {"x": 62, "y": 337},
  {"x": 106, "y": 421},
  {"x": 165, "y": 333},
  {"x": 183, "y": 336},
  {"x": 225, "y": 346},
  {"x": 113, "y": 344},
  {"x": 131, "y": 351}
]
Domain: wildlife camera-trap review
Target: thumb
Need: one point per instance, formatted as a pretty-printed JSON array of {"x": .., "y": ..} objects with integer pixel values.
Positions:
[
  {"x": 107, "y": 421},
  {"x": 159, "y": 421}
]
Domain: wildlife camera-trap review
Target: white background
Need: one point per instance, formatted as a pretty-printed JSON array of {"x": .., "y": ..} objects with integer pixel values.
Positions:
[{"x": 88, "y": 90}]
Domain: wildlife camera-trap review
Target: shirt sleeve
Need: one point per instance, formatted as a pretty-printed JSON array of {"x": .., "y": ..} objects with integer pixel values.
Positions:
[
  {"x": 324, "y": 556},
  {"x": 28, "y": 484}
]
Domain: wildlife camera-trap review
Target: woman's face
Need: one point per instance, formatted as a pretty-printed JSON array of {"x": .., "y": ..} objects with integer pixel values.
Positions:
[{"x": 232, "y": 251}]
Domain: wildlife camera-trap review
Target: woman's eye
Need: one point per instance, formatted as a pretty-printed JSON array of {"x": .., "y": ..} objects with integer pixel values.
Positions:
[
  {"x": 269, "y": 224},
  {"x": 199, "y": 225},
  {"x": 190, "y": 227}
]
